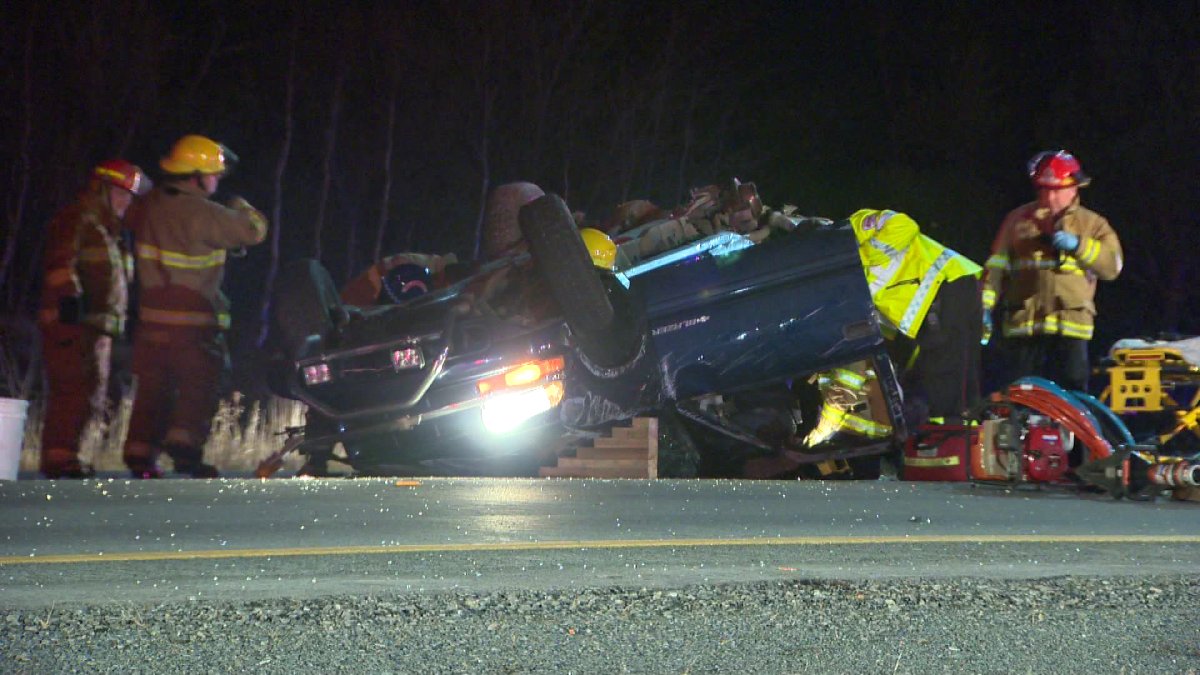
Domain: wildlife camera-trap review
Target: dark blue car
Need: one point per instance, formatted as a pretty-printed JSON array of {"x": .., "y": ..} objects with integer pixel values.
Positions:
[{"x": 724, "y": 340}]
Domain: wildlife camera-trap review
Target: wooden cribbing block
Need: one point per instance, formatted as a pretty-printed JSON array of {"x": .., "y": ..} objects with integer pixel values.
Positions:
[
  {"x": 627, "y": 452},
  {"x": 610, "y": 453}
]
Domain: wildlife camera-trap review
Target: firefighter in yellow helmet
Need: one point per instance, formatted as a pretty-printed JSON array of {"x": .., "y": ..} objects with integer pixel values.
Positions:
[
  {"x": 927, "y": 295},
  {"x": 179, "y": 348},
  {"x": 85, "y": 295}
]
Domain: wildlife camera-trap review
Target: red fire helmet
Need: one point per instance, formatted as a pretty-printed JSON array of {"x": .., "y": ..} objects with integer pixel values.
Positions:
[
  {"x": 123, "y": 174},
  {"x": 1055, "y": 169}
]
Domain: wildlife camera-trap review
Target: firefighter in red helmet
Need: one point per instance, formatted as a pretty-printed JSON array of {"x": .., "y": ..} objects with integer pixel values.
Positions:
[
  {"x": 179, "y": 350},
  {"x": 1045, "y": 263},
  {"x": 84, "y": 302}
]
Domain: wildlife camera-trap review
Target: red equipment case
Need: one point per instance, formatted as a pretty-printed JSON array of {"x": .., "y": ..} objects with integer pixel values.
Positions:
[{"x": 939, "y": 452}]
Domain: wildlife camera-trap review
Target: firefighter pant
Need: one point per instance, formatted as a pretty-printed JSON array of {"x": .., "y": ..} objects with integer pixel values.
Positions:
[
  {"x": 948, "y": 363},
  {"x": 178, "y": 371},
  {"x": 1061, "y": 359},
  {"x": 77, "y": 359}
]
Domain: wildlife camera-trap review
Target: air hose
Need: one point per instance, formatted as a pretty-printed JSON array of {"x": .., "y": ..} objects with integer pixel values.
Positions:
[{"x": 1051, "y": 400}]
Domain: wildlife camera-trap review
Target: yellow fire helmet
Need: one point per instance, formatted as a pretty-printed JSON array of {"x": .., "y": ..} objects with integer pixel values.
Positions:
[
  {"x": 197, "y": 154},
  {"x": 600, "y": 247}
]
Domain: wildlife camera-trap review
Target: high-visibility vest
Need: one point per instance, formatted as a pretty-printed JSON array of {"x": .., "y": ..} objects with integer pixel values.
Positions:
[{"x": 904, "y": 268}]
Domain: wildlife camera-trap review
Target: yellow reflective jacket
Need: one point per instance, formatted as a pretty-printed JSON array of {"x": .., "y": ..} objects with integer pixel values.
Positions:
[
  {"x": 904, "y": 268},
  {"x": 1045, "y": 291}
]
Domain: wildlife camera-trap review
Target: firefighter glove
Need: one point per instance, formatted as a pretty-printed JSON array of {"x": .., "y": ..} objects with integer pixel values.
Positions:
[
  {"x": 987, "y": 328},
  {"x": 70, "y": 309},
  {"x": 1065, "y": 241},
  {"x": 256, "y": 216}
]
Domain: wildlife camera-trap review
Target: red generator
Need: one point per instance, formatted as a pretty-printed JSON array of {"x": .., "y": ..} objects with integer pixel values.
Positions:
[
  {"x": 1029, "y": 450},
  {"x": 1025, "y": 449},
  {"x": 1044, "y": 453}
]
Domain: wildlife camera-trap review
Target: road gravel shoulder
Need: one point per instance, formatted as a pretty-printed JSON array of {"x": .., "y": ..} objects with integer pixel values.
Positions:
[{"x": 915, "y": 625}]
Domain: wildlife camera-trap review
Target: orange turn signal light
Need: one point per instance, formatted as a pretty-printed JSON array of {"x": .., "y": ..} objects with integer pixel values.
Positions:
[{"x": 520, "y": 376}]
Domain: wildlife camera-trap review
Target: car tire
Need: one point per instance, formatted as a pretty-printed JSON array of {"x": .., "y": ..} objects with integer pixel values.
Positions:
[
  {"x": 624, "y": 340},
  {"x": 563, "y": 262},
  {"x": 303, "y": 305}
]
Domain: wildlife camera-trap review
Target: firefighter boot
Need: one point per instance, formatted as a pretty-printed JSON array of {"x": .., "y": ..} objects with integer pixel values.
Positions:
[
  {"x": 189, "y": 461},
  {"x": 142, "y": 460},
  {"x": 63, "y": 463}
]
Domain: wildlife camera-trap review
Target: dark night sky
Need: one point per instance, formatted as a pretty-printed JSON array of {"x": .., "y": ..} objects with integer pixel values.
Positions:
[{"x": 926, "y": 107}]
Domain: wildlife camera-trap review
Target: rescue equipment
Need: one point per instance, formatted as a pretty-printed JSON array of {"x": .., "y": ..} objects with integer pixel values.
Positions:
[
  {"x": 1047, "y": 398},
  {"x": 1029, "y": 430},
  {"x": 1020, "y": 448},
  {"x": 940, "y": 452},
  {"x": 1142, "y": 379},
  {"x": 1153, "y": 379},
  {"x": 1136, "y": 471}
]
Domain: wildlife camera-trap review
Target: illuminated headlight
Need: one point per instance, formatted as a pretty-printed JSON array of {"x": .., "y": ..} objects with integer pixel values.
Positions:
[
  {"x": 317, "y": 374},
  {"x": 407, "y": 359},
  {"x": 506, "y": 412}
]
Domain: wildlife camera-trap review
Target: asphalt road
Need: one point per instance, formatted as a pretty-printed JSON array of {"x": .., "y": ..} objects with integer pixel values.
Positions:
[{"x": 115, "y": 540}]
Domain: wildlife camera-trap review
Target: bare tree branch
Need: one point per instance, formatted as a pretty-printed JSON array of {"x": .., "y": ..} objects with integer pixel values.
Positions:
[
  {"x": 280, "y": 169},
  {"x": 335, "y": 113},
  {"x": 389, "y": 144},
  {"x": 21, "y": 168}
]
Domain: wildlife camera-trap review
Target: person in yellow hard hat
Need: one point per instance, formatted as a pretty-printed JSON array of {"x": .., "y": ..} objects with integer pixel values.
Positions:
[
  {"x": 179, "y": 350},
  {"x": 85, "y": 296}
]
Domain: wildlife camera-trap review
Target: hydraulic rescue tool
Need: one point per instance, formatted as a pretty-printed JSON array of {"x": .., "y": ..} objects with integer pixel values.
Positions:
[{"x": 1138, "y": 471}]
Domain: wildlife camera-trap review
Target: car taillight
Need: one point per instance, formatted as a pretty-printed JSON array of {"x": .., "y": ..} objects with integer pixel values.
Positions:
[
  {"x": 525, "y": 374},
  {"x": 317, "y": 374},
  {"x": 408, "y": 359}
]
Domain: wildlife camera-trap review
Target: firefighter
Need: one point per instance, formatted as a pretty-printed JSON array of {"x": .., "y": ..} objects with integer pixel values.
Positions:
[
  {"x": 1043, "y": 270},
  {"x": 84, "y": 302},
  {"x": 179, "y": 350},
  {"x": 928, "y": 296}
]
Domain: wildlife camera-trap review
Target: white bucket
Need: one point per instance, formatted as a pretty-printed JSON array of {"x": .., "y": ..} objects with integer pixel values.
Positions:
[{"x": 12, "y": 434}]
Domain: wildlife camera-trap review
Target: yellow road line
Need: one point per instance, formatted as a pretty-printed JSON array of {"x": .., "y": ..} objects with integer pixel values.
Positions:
[{"x": 399, "y": 549}]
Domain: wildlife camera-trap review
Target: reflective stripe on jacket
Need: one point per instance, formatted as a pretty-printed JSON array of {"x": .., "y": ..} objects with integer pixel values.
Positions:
[
  {"x": 84, "y": 259},
  {"x": 844, "y": 394},
  {"x": 904, "y": 268},
  {"x": 1045, "y": 291},
  {"x": 182, "y": 237}
]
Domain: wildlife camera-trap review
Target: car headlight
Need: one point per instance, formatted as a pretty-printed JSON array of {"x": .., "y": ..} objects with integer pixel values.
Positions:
[{"x": 505, "y": 412}]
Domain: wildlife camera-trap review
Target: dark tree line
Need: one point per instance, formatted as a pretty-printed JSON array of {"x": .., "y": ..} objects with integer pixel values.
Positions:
[{"x": 368, "y": 128}]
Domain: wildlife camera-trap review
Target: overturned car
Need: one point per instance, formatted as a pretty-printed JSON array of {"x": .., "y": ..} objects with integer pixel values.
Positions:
[{"x": 760, "y": 359}]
